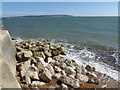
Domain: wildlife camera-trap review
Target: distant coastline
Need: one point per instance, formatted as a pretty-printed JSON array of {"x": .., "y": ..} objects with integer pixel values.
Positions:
[{"x": 56, "y": 15}]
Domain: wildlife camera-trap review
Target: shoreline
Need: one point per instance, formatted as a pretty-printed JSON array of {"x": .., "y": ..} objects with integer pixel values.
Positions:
[{"x": 87, "y": 85}]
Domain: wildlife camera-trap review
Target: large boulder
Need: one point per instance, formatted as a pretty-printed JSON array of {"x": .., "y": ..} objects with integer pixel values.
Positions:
[
  {"x": 46, "y": 75},
  {"x": 70, "y": 81},
  {"x": 51, "y": 69}
]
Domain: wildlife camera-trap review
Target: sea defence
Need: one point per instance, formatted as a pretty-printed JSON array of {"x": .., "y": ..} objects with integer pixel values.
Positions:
[{"x": 7, "y": 61}]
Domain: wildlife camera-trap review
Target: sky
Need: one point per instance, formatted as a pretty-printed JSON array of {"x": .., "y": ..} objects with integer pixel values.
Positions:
[{"x": 50, "y": 8}]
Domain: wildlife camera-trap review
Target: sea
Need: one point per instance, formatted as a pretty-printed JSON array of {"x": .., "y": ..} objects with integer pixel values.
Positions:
[{"x": 91, "y": 40}]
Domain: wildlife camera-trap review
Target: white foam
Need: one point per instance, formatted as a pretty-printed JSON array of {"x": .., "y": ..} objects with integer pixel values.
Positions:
[{"x": 100, "y": 66}]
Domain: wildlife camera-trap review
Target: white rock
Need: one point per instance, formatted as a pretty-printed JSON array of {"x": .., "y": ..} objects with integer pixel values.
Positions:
[
  {"x": 57, "y": 69},
  {"x": 27, "y": 80},
  {"x": 70, "y": 81},
  {"x": 63, "y": 72},
  {"x": 27, "y": 54},
  {"x": 57, "y": 75},
  {"x": 37, "y": 83},
  {"x": 41, "y": 60},
  {"x": 46, "y": 75},
  {"x": 50, "y": 68},
  {"x": 69, "y": 70},
  {"x": 82, "y": 77},
  {"x": 64, "y": 87}
]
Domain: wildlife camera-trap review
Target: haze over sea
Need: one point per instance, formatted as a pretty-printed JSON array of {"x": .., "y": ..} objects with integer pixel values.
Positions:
[{"x": 90, "y": 38}]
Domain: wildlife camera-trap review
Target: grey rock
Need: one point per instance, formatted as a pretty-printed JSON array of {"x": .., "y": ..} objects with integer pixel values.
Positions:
[
  {"x": 70, "y": 81},
  {"x": 69, "y": 70},
  {"x": 46, "y": 75},
  {"x": 51, "y": 69},
  {"x": 57, "y": 69},
  {"x": 56, "y": 76},
  {"x": 64, "y": 87}
]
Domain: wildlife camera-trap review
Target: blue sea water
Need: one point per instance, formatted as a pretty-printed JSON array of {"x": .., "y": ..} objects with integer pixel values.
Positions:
[{"x": 90, "y": 31}]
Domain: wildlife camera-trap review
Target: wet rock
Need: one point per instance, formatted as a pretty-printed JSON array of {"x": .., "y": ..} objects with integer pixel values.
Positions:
[
  {"x": 68, "y": 62},
  {"x": 46, "y": 75},
  {"x": 51, "y": 69},
  {"x": 57, "y": 69},
  {"x": 55, "y": 52},
  {"x": 90, "y": 68},
  {"x": 61, "y": 50},
  {"x": 28, "y": 80},
  {"x": 37, "y": 83},
  {"x": 79, "y": 69},
  {"x": 58, "y": 58},
  {"x": 69, "y": 70},
  {"x": 64, "y": 87},
  {"x": 82, "y": 77},
  {"x": 39, "y": 54},
  {"x": 70, "y": 81}
]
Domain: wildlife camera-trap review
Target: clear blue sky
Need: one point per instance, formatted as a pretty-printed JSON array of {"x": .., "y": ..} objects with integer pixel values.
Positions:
[{"x": 70, "y": 8}]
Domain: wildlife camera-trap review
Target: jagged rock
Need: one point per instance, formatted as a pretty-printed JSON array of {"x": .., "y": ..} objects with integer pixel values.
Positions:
[
  {"x": 90, "y": 68},
  {"x": 69, "y": 70},
  {"x": 39, "y": 54},
  {"x": 78, "y": 69},
  {"x": 82, "y": 77},
  {"x": 41, "y": 61},
  {"x": 61, "y": 51},
  {"x": 27, "y": 54},
  {"x": 48, "y": 54},
  {"x": 57, "y": 69},
  {"x": 37, "y": 83},
  {"x": 70, "y": 81},
  {"x": 46, "y": 75},
  {"x": 25, "y": 65},
  {"x": 64, "y": 87},
  {"x": 51, "y": 69},
  {"x": 27, "y": 80},
  {"x": 55, "y": 52},
  {"x": 32, "y": 74},
  {"x": 68, "y": 62},
  {"x": 56, "y": 76}
]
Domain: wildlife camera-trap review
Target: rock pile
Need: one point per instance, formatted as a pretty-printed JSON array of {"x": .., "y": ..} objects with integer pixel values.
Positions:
[{"x": 40, "y": 63}]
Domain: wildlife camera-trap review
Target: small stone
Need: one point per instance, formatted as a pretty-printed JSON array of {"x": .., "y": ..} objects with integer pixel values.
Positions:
[
  {"x": 55, "y": 52},
  {"x": 27, "y": 54},
  {"x": 48, "y": 54},
  {"x": 27, "y": 80},
  {"x": 70, "y": 81},
  {"x": 63, "y": 72},
  {"x": 64, "y": 87},
  {"x": 69, "y": 70},
  {"x": 93, "y": 81},
  {"x": 63, "y": 65},
  {"x": 57, "y": 69},
  {"x": 37, "y": 83},
  {"x": 56, "y": 76}
]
